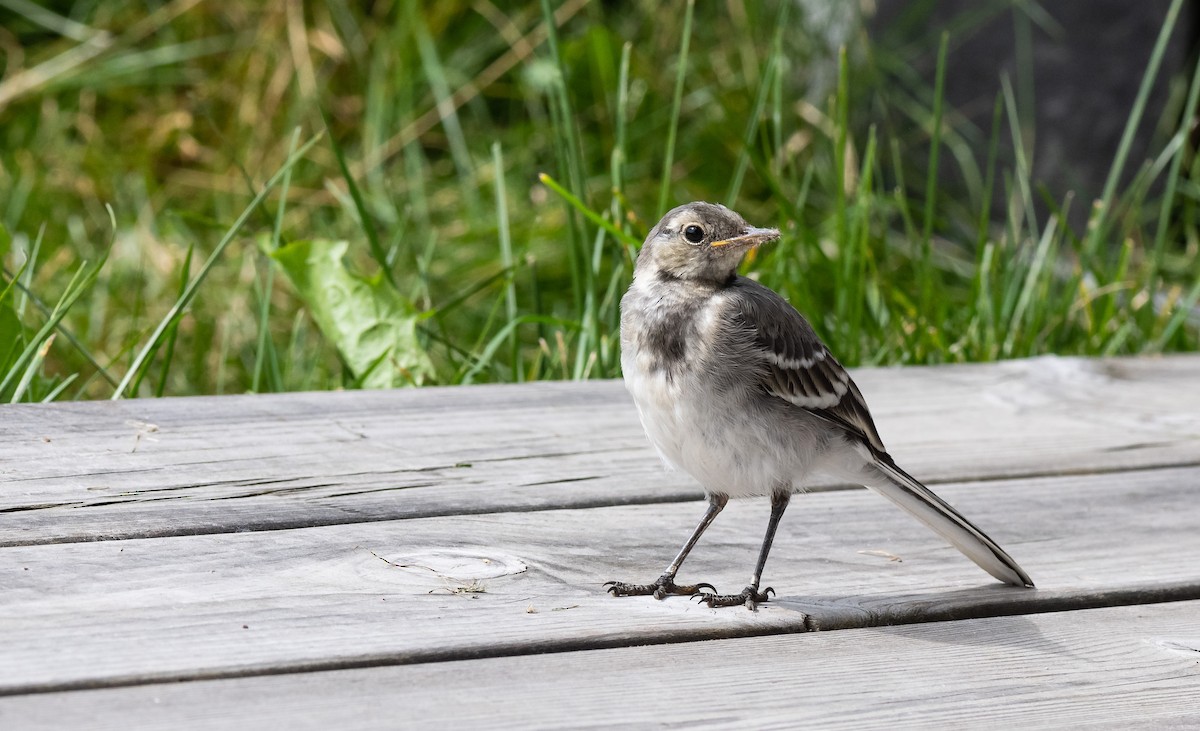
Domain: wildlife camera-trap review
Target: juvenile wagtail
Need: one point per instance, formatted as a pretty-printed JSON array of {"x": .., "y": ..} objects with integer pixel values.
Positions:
[{"x": 734, "y": 388}]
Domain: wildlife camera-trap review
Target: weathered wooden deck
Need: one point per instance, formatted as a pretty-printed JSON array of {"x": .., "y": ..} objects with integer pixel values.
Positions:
[{"x": 382, "y": 560}]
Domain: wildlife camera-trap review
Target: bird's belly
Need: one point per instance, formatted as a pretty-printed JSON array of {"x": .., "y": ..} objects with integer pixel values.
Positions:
[
  {"x": 704, "y": 433},
  {"x": 661, "y": 413}
]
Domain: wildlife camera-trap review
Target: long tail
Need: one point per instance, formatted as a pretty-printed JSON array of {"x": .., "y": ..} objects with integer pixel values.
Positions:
[{"x": 921, "y": 502}]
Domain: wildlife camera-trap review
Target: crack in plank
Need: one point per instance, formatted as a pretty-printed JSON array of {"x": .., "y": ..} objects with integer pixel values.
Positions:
[{"x": 563, "y": 481}]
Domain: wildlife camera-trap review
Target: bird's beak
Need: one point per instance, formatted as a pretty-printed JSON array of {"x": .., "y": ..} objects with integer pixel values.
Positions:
[{"x": 752, "y": 237}]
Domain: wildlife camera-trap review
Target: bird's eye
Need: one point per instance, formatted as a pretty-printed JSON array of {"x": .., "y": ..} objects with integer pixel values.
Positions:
[{"x": 694, "y": 234}]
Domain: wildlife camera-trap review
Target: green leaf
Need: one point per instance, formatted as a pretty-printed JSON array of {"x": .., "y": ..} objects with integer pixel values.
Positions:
[{"x": 371, "y": 324}]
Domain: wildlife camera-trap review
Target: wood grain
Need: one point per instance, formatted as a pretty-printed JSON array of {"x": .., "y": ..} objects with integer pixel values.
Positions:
[
  {"x": 98, "y": 471},
  {"x": 435, "y": 589},
  {"x": 1110, "y": 668},
  {"x": 374, "y": 559}
]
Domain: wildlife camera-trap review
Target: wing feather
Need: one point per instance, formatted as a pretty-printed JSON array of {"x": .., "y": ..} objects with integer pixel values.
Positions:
[{"x": 799, "y": 368}]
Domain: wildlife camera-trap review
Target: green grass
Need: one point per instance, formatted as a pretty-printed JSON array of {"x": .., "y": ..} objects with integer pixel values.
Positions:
[{"x": 173, "y": 181}]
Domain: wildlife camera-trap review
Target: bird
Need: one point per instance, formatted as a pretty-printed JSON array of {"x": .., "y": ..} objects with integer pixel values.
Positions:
[{"x": 734, "y": 387}]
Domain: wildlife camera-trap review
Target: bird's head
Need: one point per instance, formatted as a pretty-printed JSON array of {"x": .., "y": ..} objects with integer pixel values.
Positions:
[{"x": 699, "y": 241}]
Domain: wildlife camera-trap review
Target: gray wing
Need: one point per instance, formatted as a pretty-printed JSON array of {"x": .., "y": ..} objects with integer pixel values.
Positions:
[{"x": 799, "y": 368}]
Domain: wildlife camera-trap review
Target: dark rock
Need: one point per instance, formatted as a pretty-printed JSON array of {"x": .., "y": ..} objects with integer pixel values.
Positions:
[{"x": 1086, "y": 75}]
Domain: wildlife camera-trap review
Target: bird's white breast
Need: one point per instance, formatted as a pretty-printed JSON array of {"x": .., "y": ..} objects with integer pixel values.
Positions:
[
  {"x": 684, "y": 413},
  {"x": 665, "y": 393},
  {"x": 701, "y": 415}
]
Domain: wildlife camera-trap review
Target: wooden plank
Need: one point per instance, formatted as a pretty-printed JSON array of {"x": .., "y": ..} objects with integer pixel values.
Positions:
[
  {"x": 1112, "y": 667},
  {"x": 134, "y": 611},
  {"x": 92, "y": 471}
]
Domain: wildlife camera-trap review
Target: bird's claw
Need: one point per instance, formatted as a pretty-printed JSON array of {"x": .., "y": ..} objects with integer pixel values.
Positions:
[
  {"x": 662, "y": 587},
  {"x": 750, "y": 597}
]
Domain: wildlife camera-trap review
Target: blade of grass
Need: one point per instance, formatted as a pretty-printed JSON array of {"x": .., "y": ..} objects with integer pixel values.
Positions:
[
  {"x": 172, "y": 333},
  {"x": 27, "y": 272},
  {"x": 840, "y": 206},
  {"x": 222, "y": 360},
  {"x": 1025, "y": 72},
  {"x": 861, "y": 252},
  {"x": 61, "y": 328},
  {"x": 900, "y": 193},
  {"x": 1036, "y": 268},
  {"x": 82, "y": 279},
  {"x": 1098, "y": 226},
  {"x": 464, "y": 294},
  {"x": 570, "y": 154},
  {"x": 617, "y": 165},
  {"x": 13, "y": 282},
  {"x": 506, "y": 260},
  {"x": 436, "y": 75},
  {"x": 1168, "y": 199},
  {"x": 484, "y": 359},
  {"x": 493, "y": 314},
  {"x": 589, "y": 326},
  {"x": 185, "y": 299},
  {"x": 1115, "y": 297},
  {"x": 983, "y": 222},
  {"x": 580, "y": 206},
  {"x": 985, "y": 313},
  {"x": 778, "y": 156},
  {"x": 50, "y": 20},
  {"x": 765, "y": 84},
  {"x": 931, "y": 178},
  {"x": 1183, "y": 309},
  {"x": 1026, "y": 211},
  {"x": 57, "y": 390},
  {"x": 265, "y": 352},
  {"x": 1119, "y": 338},
  {"x": 365, "y": 221},
  {"x": 31, "y": 370},
  {"x": 664, "y": 186}
]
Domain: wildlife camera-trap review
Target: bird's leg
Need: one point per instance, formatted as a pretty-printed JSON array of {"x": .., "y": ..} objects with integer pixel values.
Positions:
[
  {"x": 665, "y": 584},
  {"x": 751, "y": 596}
]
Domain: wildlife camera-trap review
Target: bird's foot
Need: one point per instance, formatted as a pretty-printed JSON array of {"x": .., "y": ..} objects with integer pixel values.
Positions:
[
  {"x": 750, "y": 597},
  {"x": 662, "y": 587}
]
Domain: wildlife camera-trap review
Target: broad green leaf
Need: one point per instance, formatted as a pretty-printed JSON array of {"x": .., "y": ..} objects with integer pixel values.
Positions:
[{"x": 371, "y": 324}]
